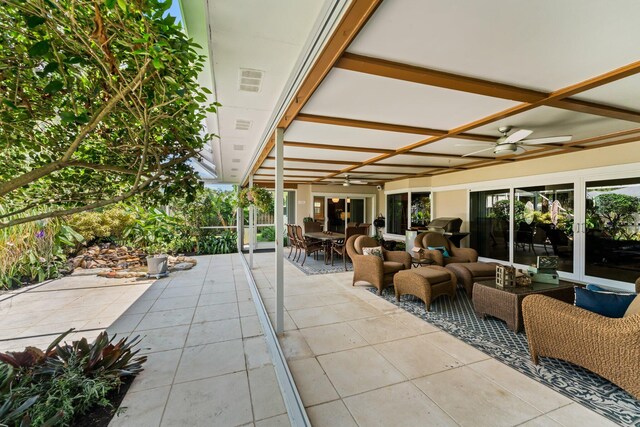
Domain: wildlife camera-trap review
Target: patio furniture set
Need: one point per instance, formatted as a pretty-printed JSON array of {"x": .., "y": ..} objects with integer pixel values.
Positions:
[
  {"x": 314, "y": 240},
  {"x": 556, "y": 328}
]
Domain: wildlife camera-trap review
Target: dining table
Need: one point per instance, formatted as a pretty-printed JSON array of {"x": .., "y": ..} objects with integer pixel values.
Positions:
[{"x": 327, "y": 238}]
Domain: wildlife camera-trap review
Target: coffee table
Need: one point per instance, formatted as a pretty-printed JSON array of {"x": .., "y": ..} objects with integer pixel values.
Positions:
[{"x": 506, "y": 303}]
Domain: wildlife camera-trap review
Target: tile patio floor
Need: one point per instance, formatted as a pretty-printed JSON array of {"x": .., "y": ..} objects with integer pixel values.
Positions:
[{"x": 357, "y": 360}]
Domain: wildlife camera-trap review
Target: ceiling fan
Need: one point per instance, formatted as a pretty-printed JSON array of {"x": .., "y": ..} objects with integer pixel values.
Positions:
[
  {"x": 510, "y": 143},
  {"x": 347, "y": 182}
]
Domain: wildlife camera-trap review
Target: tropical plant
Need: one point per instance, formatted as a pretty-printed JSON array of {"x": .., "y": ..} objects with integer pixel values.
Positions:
[
  {"x": 152, "y": 230},
  {"x": 224, "y": 243},
  {"x": 259, "y": 197},
  {"x": 34, "y": 251},
  {"x": 45, "y": 387},
  {"x": 99, "y": 102}
]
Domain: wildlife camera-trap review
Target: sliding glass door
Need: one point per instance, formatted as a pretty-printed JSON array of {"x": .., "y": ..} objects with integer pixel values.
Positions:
[
  {"x": 490, "y": 223},
  {"x": 596, "y": 237},
  {"x": 543, "y": 224},
  {"x": 611, "y": 229},
  {"x": 344, "y": 211}
]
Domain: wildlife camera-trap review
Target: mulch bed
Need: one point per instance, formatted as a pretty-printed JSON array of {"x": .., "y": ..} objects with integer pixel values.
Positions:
[{"x": 101, "y": 416}]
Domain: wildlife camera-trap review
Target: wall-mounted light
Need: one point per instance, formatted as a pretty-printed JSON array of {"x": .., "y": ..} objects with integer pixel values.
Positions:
[
  {"x": 348, "y": 200},
  {"x": 335, "y": 200}
]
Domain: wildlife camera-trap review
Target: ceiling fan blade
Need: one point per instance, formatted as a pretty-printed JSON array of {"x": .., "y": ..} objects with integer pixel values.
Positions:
[
  {"x": 479, "y": 151},
  {"x": 474, "y": 144},
  {"x": 517, "y": 136},
  {"x": 548, "y": 140}
]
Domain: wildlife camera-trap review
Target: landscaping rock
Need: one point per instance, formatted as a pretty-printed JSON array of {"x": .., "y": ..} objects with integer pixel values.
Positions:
[{"x": 111, "y": 260}]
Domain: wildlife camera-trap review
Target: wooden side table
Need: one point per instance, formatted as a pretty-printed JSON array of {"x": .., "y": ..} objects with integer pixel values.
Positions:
[{"x": 506, "y": 303}]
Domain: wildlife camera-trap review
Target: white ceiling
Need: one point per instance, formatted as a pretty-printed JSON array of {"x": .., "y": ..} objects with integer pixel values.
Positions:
[
  {"x": 541, "y": 44},
  {"x": 361, "y": 96},
  {"x": 544, "y": 45}
]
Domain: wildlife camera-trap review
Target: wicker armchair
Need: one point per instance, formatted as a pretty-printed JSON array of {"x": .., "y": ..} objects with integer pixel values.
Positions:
[
  {"x": 372, "y": 269},
  {"x": 609, "y": 347},
  {"x": 434, "y": 239}
]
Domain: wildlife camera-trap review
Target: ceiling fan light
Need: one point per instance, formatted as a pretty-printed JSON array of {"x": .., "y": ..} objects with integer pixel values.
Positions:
[{"x": 505, "y": 148}]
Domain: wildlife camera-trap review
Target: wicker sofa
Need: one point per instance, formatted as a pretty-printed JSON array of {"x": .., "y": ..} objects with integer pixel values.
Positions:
[
  {"x": 435, "y": 239},
  {"x": 372, "y": 269},
  {"x": 609, "y": 347}
]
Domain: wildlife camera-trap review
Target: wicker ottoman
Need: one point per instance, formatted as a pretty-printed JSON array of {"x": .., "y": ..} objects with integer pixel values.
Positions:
[
  {"x": 427, "y": 283},
  {"x": 468, "y": 273}
]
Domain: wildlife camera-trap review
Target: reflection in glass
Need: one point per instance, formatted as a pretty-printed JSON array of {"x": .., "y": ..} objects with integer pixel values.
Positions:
[
  {"x": 420, "y": 209},
  {"x": 489, "y": 223},
  {"x": 544, "y": 224},
  {"x": 397, "y": 205},
  {"x": 612, "y": 220}
]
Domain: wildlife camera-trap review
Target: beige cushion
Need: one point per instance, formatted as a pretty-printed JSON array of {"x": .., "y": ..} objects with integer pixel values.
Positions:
[
  {"x": 432, "y": 275},
  {"x": 392, "y": 267},
  {"x": 634, "y": 308},
  {"x": 480, "y": 269}
]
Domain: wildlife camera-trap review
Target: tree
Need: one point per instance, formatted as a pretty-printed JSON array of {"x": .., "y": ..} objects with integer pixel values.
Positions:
[
  {"x": 98, "y": 102},
  {"x": 616, "y": 209}
]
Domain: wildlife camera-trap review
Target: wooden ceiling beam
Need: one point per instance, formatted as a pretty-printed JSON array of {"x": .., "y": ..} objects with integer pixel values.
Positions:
[
  {"x": 363, "y": 124},
  {"x": 336, "y": 147},
  {"x": 376, "y": 150},
  {"x": 399, "y": 71},
  {"x": 611, "y": 76},
  {"x": 329, "y": 171},
  {"x": 323, "y": 161}
]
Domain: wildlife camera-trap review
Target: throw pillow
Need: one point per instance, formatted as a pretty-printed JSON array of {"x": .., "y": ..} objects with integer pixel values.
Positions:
[
  {"x": 598, "y": 288},
  {"x": 634, "y": 308},
  {"x": 442, "y": 249},
  {"x": 375, "y": 251},
  {"x": 605, "y": 304}
]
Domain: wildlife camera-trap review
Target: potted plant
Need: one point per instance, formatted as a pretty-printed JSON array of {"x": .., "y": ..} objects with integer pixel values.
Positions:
[{"x": 157, "y": 261}]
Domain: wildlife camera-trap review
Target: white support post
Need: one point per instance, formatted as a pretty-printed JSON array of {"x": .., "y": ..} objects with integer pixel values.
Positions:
[
  {"x": 279, "y": 223},
  {"x": 239, "y": 227},
  {"x": 252, "y": 231}
]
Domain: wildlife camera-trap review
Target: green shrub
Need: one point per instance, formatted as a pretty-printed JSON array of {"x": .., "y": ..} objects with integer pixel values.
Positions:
[
  {"x": 107, "y": 224},
  {"x": 268, "y": 234}
]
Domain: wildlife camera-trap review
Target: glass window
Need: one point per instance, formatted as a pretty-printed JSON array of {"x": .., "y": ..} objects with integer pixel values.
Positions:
[
  {"x": 489, "y": 223},
  {"x": 544, "y": 224},
  {"x": 420, "y": 209},
  {"x": 397, "y": 215},
  {"x": 612, "y": 226}
]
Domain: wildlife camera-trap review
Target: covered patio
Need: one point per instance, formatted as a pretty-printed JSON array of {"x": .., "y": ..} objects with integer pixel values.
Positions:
[{"x": 390, "y": 102}]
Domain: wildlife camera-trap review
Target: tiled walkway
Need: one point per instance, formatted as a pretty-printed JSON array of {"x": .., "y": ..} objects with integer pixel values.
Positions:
[
  {"x": 359, "y": 360},
  {"x": 208, "y": 363}
]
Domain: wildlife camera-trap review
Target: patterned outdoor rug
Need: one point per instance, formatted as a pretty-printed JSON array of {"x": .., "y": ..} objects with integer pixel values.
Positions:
[
  {"x": 313, "y": 266},
  {"x": 492, "y": 337}
]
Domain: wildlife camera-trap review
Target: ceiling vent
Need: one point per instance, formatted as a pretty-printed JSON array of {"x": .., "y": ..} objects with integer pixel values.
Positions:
[
  {"x": 235, "y": 160},
  {"x": 234, "y": 169},
  {"x": 238, "y": 147},
  {"x": 250, "y": 80},
  {"x": 242, "y": 124}
]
